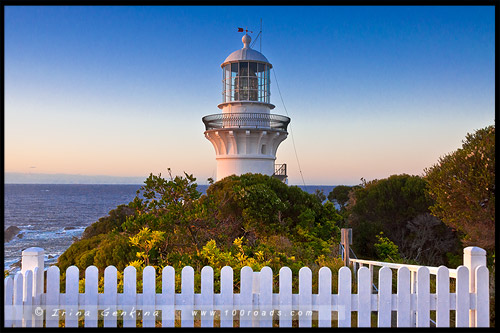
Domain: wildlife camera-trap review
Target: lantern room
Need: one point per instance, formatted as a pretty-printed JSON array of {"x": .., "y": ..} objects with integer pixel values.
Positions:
[{"x": 246, "y": 76}]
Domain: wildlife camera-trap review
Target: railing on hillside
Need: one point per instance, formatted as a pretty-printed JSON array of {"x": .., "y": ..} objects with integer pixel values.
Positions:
[
  {"x": 474, "y": 258},
  {"x": 27, "y": 304}
]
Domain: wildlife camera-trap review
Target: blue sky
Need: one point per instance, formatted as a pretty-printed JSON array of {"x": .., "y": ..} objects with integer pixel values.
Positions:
[{"x": 120, "y": 91}]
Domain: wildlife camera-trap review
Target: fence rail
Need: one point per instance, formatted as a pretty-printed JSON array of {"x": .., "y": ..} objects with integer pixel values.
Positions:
[{"x": 27, "y": 304}]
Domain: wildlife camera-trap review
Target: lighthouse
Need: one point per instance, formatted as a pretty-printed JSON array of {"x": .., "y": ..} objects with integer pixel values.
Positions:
[{"x": 246, "y": 135}]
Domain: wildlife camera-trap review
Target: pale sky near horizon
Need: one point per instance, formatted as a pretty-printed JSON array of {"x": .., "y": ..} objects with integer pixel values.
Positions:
[{"x": 120, "y": 91}]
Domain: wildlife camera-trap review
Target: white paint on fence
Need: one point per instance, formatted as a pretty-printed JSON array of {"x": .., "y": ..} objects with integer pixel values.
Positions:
[
  {"x": 52, "y": 295},
  {"x": 443, "y": 297},
  {"x": 207, "y": 296},
  {"x": 148, "y": 296},
  {"x": 91, "y": 294},
  {"x": 71, "y": 297},
  {"x": 462, "y": 297},
  {"x": 344, "y": 297},
  {"x": 110, "y": 297},
  {"x": 255, "y": 305},
  {"x": 404, "y": 297},
  {"x": 129, "y": 296},
  {"x": 285, "y": 297},
  {"x": 246, "y": 296},
  {"x": 187, "y": 296},
  {"x": 423, "y": 297},
  {"x": 226, "y": 296},
  {"x": 266, "y": 297},
  {"x": 168, "y": 295},
  {"x": 305, "y": 297},
  {"x": 384, "y": 297},
  {"x": 364, "y": 297}
]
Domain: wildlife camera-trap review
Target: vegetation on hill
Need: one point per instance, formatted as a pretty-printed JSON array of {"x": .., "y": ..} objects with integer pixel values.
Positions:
[
  {"x": 462, "y": 185},
  {"x": 256, "y": 220},
  {"x": 398, "y": 207},
  {"x": 252, "y": 220}
]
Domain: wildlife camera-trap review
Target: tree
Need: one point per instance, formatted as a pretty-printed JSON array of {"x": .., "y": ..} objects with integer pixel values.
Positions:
[
  {"x": 340, "y": 195},
  {"x": 320, "y": 195},
  {"x": 462, "y": 185},
  {"x": 396, "y": 206}
]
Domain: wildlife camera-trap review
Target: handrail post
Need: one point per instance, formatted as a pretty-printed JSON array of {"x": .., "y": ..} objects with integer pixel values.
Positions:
[
  {"x": 473, "y": 257},
  {"x": 345, "y": 240}
]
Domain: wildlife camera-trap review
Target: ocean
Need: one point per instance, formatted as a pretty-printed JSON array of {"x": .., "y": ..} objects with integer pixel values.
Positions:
[{"x": 51, "y": 216}]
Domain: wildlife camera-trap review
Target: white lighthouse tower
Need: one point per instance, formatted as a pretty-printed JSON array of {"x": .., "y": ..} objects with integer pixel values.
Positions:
[{"x": 246, "y": 135}]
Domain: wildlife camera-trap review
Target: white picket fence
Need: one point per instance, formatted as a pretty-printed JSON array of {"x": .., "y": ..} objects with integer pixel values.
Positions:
[{"x": 28, "y": 305}]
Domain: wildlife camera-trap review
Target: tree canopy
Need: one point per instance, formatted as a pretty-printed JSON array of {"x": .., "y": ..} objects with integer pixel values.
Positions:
[
  {"x": 462, "y": 185},
  {"x": 251, "y": 219},
  {"x": 398, "y": 206}
]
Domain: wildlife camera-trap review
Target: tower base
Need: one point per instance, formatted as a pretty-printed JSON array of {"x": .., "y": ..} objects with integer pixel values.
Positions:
[{"x": 227, "y": 166}]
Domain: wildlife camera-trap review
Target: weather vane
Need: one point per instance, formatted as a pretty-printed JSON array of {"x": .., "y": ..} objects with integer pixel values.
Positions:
[{"x": 246, "y": 30}]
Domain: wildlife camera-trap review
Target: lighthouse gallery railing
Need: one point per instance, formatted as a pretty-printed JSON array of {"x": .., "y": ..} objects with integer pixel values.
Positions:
[{"x": 246, "y": 120}]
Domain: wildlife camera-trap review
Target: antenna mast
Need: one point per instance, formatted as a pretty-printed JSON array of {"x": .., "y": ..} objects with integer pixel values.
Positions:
[{"x": 260, "y": 35}]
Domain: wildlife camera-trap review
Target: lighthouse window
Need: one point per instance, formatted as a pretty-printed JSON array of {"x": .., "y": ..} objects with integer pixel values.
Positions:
[
  {"x": 243, "y": 68},
  {"x": 252, "y": 81},
  {"x": 245, "y": 81},
  {"x": 234, "y": 80},
  {"x": 227, "y": 83}
]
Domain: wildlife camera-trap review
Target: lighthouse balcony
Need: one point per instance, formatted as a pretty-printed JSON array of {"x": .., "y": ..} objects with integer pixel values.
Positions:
[{"x": 246, "y": 120}]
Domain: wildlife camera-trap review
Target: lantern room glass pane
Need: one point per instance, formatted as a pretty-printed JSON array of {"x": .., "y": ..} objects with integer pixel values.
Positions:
[
  {"x": 243, "y": 68},
  {"x": 227, "y": 83},
  {"x": 245, "y": 81}
]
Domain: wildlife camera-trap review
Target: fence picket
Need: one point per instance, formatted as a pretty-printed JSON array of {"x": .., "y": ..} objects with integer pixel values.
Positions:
[
  {"x": 305, "y": 297},
  {"x": 266, "y": 297},
  {"x": 404, "y": 300},
  {"x": 285, "y": 297},
  {"x": 443, "y": 297},
  {"x": 148, "y": 296},
  {"x": 423, "y": 297},
  {"x": 168, "y": 297},
  {"x": 207, "y": 296},
  {"x": 482, "y": 297},
  {"x": 226, "y": 293},
  {"x": 385, "y": 297},
  {"x": 364, "y": 297},
  {"x": 246, "y": 296},
  {"x": 91, "y": 294},
  {"x": 8, "y": 300},
  {"x": 28, "y": 299},
  {"x": 18, "y": 300},
  {"x": 53, "y": 291},
  {"x": 344, "y": 303},
  {"x": 37, "y": 298},
  {"x": 325, "y": 297},
  {"x": 187, "y": 289},
  {"x": 110, "y": 296},
  {"x": 71, "y": 297},
  {"x": 130, "y": 296},
  {"x": 462, "y": 297}
]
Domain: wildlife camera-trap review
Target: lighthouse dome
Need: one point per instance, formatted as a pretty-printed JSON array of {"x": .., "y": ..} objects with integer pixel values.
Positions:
[{"x": 246, "y": 53}]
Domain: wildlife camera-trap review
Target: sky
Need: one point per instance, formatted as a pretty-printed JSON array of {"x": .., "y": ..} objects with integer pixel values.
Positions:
[{"x": 121, "y": 90}]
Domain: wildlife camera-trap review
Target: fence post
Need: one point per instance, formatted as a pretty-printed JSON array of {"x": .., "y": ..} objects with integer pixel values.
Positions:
[
  {"x": 473, "y": 257},
  {"x": 31, "y": 258},
  {"x": 345, "y": 239}
]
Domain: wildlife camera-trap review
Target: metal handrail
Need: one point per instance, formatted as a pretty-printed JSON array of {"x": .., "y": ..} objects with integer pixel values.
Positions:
[
  {"x": 246, "y": 120},
  {"x": 280, "y": 169},
  {"x": 412, "y": 268}
]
